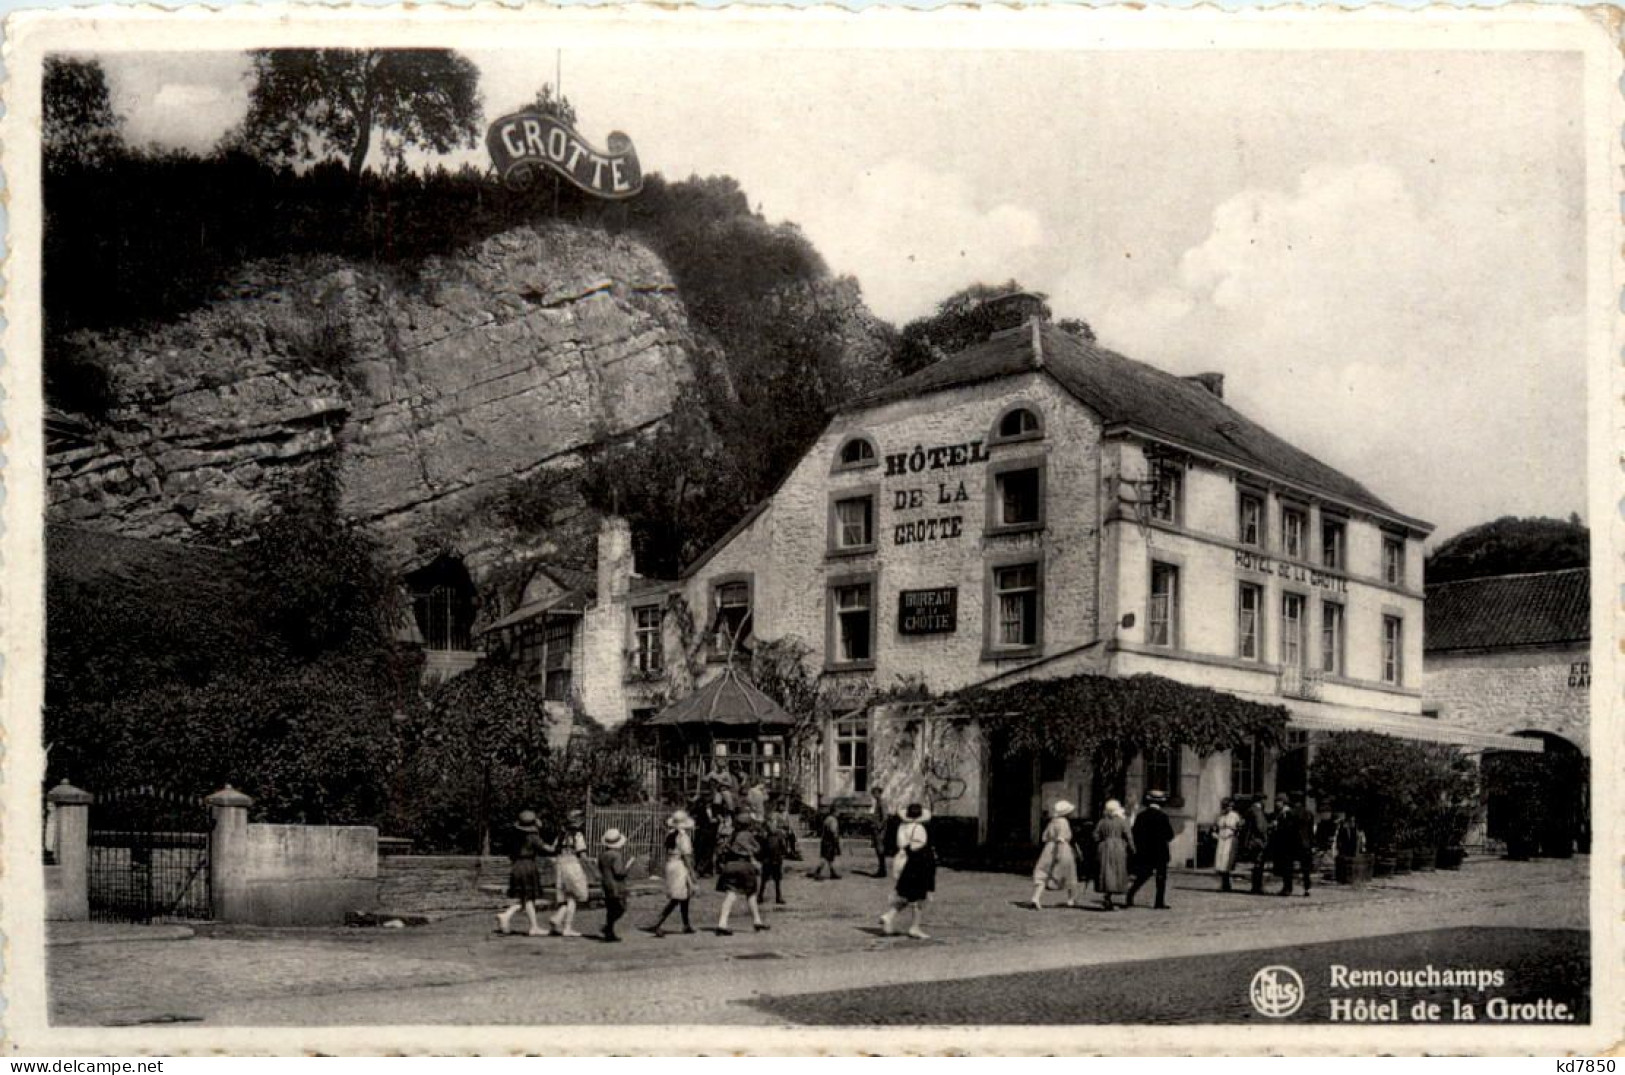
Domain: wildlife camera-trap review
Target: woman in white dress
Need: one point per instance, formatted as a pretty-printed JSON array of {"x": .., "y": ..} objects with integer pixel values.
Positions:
[
  {"x": 1057, "y": 863},
  {"x": 679, "y": 871},
  {"x": 569, "y": 875},
  {"x": 1228, "y": 831}
]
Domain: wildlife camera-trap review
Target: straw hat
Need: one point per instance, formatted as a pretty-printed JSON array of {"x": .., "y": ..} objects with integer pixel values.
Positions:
[
  {"x": 1155, "y": 798},
  {"x": 1061, "y": 808},
  {"x": 680, "y": 820},
  {"x": 613, "y": 839},
  {"x": 527, "y": 822}
]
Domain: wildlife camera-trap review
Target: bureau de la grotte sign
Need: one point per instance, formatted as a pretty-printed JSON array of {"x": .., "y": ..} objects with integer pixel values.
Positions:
[{"x": 522, "y": 142}]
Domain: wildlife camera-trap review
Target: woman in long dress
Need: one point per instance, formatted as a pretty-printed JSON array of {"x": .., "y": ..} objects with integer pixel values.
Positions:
[
  {"x": 525, "y": 876},
  {"x": 915, "y": 869},
  {"x": 1057, "y": 864},
  {"x": 1227, "y": 830},
  {"x": 569, "y": 875},
  {"x": 678, "y": 872},
  {"x": 1114, "y": 844}
]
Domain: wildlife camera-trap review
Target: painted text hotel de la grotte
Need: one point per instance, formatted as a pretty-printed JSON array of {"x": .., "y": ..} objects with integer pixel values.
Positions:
[{"x": 1034, "y": 506}]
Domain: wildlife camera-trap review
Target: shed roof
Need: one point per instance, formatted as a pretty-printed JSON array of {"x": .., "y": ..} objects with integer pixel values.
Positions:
[
  {"x": 1137, "y": 397},
  {"x": 1541, "y": 608}
]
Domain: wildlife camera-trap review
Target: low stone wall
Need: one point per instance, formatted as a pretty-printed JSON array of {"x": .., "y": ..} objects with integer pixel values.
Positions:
[
  {"x": 309, "y": 874},
  {"x": 438, "y": 885}
]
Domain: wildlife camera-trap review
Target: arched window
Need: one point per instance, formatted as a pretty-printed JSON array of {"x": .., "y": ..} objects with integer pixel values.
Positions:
[
  {"x": 1018, "y": 423},
  {"x": 856, "y": 452}
]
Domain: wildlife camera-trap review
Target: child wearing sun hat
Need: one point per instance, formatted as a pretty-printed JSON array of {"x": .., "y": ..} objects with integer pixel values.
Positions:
[{"x": 614, "y": 864}]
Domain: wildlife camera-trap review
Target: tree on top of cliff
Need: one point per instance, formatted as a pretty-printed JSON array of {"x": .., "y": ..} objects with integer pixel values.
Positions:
[
  {"x": 1509, "y": 546},
  {"x": 962, "y": 319},
  {"x": 78, "y": 125},
  {"x": 311, "y": 104}
]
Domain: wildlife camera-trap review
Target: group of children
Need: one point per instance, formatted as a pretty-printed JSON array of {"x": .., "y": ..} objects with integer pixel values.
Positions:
[{"x": 750, "y": 854}]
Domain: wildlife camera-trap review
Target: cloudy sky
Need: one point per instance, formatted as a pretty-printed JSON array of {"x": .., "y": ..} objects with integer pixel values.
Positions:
[{"x": 1384, "y": 252}]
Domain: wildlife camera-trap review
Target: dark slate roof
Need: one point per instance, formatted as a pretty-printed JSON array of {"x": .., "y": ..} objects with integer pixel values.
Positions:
[
  {"x": 1540, "y": 609},
  {"x": 1132, "y": 394}
]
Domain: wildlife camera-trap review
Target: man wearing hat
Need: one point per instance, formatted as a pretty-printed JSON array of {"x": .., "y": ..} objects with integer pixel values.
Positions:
[
  {"x": 614, "y": 864},
  {"x": 1057, "y": 864},
  {"x": 1153, "y": 832}
]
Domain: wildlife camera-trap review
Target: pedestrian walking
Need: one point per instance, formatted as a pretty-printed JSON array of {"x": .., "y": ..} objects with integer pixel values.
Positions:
[
  {"x": 775, "y": 849},
  {"x": 1257, "y": 842},
  {"x": 1153, "y": 832},
  {"x": 756, "y": 800},
  {"x": 737, "y": 874},
  {"x": 916, "y": 870},
  {"x": 1057, "y": 863},
  {"x": 1293, "y": 841},
  {"x": 889, "y": 846},
  {"x": 1227, "y": 831},
  {"x": 1114, "y": 843},
  {"x": 881, "y": 821},
  {"x": 704, "y": 835},
  {"x": 614, "y": 866},
  {"x": 525, "y": 875},
  {"x": 678, "y": 873},
  {"x": 829, "y": 847},
  {"x": 569, "y": 875}
]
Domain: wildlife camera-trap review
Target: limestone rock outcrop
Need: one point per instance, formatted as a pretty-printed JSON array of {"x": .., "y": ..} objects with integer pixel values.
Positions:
[{"x": 431, "y": 387}]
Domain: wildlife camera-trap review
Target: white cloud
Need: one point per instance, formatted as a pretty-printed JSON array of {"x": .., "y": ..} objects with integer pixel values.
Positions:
[
  {"x": 1364, "y": 326},
  {"x": 918, "y": 235}
]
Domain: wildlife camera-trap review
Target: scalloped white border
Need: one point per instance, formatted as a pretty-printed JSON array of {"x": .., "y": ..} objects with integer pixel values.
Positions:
[{"x": 1595, "y": 33}]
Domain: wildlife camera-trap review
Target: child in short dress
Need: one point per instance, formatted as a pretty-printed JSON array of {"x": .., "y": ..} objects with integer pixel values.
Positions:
[
  {"x": 569, "y": 875},
  {"x": 916, "y": 871},
  {"x": 525, "y": 876},
  {"x": 679, "y": 872}
]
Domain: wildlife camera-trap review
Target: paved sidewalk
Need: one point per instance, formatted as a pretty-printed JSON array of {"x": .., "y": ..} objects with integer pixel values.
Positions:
[{"x": 457, "y": 971}]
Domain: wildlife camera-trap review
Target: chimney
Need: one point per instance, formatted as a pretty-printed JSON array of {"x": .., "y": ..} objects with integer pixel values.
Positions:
[
  {"x": 1213, "y": 382},
  {"x": 614, "y": 559},
  {"x": 1014, "y": 309}
]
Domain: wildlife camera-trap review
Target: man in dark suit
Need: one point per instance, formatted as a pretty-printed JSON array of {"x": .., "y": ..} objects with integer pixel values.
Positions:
[
  {"x": 1256, "y": 841},
  {"x": 1153, "y": 832},
  {"x": 1294, "y": 840}
]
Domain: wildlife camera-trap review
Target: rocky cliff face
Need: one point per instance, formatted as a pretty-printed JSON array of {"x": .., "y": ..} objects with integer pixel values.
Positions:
[{"x": 432, "y": 391}]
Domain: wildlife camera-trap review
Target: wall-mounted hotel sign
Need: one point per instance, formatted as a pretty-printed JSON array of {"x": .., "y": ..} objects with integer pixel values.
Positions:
[
  {"x": 523, "y": 142},
  {"x": 928, "y": 612}
]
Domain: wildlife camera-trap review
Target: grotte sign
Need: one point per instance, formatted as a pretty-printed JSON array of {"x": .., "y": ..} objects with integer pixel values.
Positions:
[
  {"x": 928, "y": 612},
  {"x": 523, "y": 142}
]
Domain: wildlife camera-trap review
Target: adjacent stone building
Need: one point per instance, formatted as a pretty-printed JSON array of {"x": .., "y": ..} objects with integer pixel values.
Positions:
[{"x": 1511, "y": 654}]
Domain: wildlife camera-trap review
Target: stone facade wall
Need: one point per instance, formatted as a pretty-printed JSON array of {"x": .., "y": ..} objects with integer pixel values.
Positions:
[
  {"x": 787, "y": 550},
  {"x": 1544, "y": 690}
]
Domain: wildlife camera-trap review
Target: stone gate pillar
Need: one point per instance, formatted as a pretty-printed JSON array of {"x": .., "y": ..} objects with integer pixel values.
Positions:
[
  {"x": 228, "y": 854},
  {"x": 71, "y": 810}
]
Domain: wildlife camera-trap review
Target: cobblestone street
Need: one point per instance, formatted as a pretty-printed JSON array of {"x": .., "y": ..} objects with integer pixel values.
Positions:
[{"x": 824, "y": 940}]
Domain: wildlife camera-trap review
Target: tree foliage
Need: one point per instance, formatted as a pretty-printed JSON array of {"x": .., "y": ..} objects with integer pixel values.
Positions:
[
  {"x": 1111, "y": 720},
  {"x": 964, "y": 318},
  {"x": 313, "y": 104},
  {"x": 1511, "y": 545},
  {"x": 550, "y": 104},
  {"x": 472, "y": 757},
  {"x": 1402, "y": 793},
  {"x": 78, "y": 126}
]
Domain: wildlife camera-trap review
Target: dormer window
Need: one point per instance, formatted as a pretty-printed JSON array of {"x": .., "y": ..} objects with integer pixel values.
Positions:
[
  {"x": 855, "y": 453},
  {"x": 1018, "y": 423}
]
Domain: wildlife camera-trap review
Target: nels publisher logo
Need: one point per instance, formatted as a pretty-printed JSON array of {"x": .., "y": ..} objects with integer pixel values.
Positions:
[{"x": 1276, "y": 992}]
